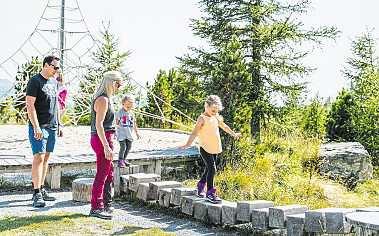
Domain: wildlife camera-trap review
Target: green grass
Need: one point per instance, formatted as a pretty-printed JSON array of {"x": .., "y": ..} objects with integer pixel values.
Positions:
[
  {"x": 283, "y": 169},
  {"x": 61, "y": 223}
]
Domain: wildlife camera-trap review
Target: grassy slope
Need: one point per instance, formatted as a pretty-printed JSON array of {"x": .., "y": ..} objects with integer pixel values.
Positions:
[{"x": 70, "y": 224}]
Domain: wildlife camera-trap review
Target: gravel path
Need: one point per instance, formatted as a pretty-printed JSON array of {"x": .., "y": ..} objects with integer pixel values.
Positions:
[{"x": 20, "y": 205}]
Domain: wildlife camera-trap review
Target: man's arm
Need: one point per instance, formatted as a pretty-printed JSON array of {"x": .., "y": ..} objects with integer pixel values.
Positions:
[{"x": 32, "y": 115}]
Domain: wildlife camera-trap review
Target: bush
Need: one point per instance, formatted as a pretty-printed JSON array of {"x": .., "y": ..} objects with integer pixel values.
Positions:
[
  {"x": 8, "y": 114},
  {"x": 339, "y": 120},
  {"x": 369, "y": 187},
  {"x": 314, "y": 119},
  {"x": 274, "y": 170},
  {"x": 85, "y": 120}
]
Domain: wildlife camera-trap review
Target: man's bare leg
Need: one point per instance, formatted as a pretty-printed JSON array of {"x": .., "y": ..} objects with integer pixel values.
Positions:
[
  {"x": 37, "y": 170},
  {"x": 45, "y": 195},
  {"x": 45, "y": 167}
]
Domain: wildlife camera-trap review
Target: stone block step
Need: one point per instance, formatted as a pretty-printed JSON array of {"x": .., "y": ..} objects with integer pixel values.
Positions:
[
  {"x": 143, "y": 192},
  {"x": 244, "y": 208},
  {"x": 124, "y": 184},
  {"x": 295, "y": 225},
  {"x": 277, "y": 215},
  {"x": 200, "y": 210},
  {"x": 229, "y": 213},
  {"x": 156, "y": 186},
  {"x": 178, "y": 193},
  {"x": 136, "y": 179},
  {"x": 259, "y": 218},
  {"x": 327, "y": 220},
  {"x": 164, "y": 196},
  {"x": 118, "y": 172},
  {"x": 187, "y": 204}
]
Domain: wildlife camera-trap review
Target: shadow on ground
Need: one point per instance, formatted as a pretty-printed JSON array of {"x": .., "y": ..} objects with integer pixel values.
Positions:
[{"x": 15, "y": 222}]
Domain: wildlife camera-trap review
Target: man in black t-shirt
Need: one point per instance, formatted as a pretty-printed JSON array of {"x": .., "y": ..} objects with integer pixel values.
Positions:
[{"x": 42, "y": 108}]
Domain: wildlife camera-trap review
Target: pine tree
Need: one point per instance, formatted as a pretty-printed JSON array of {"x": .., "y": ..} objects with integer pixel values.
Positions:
[
  {"x": 159, "y": 100},
  {"x": 27, "y": 70},
  {"x": 363, "y": 59},
  {"x": 107, "y": 57},
  {"x": 272, "y": 38},
  {"x": 230, "y": 78},
  {"x": 182, "y": 95},
  {"x": 355, "y": 113},
  {"x": 340, "y": 118}
]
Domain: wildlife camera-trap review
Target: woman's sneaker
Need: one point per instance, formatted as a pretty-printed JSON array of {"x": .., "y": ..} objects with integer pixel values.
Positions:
[
  {"x": 127, "y": 164},
  {"x": 200, "y": 189},
  {"x": 38, "y": 200},
  {"x": 100, "y": 213},
  {"x": 212, "y": 197}
]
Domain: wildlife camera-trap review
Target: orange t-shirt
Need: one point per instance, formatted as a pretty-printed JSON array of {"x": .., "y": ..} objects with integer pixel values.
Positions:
[{"x": 209, "y": 134}]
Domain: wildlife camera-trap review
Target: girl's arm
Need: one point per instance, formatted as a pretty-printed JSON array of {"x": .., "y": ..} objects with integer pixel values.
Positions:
[
  {"x": 227, "y": 129},
  {"x": 195, "y": 131},
  {"x": 136, "y": 127}
]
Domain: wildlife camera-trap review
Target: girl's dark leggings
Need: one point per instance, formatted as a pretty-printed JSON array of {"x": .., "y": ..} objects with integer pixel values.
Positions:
[{"x": 210, "y": 168}]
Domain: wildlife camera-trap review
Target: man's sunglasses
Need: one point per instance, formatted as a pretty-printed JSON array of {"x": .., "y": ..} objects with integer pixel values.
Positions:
[{"x": 55, "y": 67}]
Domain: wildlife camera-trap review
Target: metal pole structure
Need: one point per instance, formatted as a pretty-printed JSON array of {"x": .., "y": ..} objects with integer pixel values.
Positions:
[{"x": 61, "y": 36}]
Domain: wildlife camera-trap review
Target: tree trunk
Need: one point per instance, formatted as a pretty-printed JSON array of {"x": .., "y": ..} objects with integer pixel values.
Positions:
[{"x": 257, "y": 84}]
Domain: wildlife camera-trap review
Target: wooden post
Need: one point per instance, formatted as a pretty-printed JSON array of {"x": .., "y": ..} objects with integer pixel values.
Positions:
[
  {"x": 150, "y": 168},
  {"x": 158, "y": 167},
  {"x": 54, "y": 177},
  {"x": 82, "y": 189},
  {"x": 116, "y": 180}
]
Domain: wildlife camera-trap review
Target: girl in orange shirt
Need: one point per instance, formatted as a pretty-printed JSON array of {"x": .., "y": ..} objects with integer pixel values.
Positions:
[{"x": 207, "y": 130}]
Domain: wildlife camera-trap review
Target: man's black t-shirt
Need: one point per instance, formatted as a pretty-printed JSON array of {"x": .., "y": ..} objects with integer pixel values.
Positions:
[{"x": 45, "y": 93}]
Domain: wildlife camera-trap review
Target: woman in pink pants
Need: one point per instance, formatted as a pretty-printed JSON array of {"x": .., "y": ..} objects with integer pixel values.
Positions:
[{"x": 102, "y": 132}]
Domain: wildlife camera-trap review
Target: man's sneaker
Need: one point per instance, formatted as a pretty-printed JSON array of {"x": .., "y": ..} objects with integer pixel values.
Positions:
[
  {"x": 38, "y": 200},
  {"x": 109, "y": 209},
  {"x": 212, "y": 197},
  {"x": 121, "y": 164},
  {"x": 100, "y": 213},
  {"x": 46, "y": 196},
  {"x": 200, "y": 189}
]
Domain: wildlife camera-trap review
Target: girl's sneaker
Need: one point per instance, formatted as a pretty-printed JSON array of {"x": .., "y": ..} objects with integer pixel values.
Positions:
[
  {"x": 212, "y": 197},
  {"x": 127, "y": 164},
  {"x": 121, "y": 164},
  {"x": 200, "y": 189}
]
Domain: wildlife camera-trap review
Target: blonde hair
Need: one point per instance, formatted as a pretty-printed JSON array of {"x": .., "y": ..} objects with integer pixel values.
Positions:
[
  {"x": 106, "y": 85},
  {"x": 127, "y": 98},
  {"x": 214, "y": 100}
]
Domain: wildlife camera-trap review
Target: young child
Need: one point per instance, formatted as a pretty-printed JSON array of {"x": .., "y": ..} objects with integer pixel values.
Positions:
[
  {"x": 207, "y": 130},
  {"x": 125, "y": 123}
]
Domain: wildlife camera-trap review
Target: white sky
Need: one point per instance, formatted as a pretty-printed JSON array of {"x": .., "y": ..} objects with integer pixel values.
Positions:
[{"x": 158, "y": 31}]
